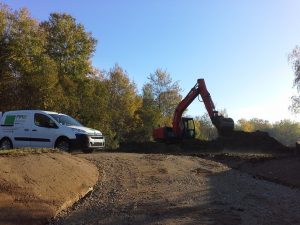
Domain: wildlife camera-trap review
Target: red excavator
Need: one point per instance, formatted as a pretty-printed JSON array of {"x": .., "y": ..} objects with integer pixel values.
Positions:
[{"x": 183, "y": 127}]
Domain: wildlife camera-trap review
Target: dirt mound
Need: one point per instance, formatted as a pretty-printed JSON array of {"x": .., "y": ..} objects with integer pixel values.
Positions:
[
  {"x": 281, "y": 169},
  {"x": 238, "y": 141},
  {"x": 35, "y": 187},
  {"x": 253, "y": 141}
]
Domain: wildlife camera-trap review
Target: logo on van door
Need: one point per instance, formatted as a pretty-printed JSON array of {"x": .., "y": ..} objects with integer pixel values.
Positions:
[{"x": 11, "y": 120}]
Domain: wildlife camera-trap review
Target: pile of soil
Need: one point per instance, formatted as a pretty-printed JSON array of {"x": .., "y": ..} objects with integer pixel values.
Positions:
[
  {"x": 238, "y": 141},
  {"x": 254, "y": 141},
  {"x": 35, "y": 187},
  {"x": 276, "y": 168}
]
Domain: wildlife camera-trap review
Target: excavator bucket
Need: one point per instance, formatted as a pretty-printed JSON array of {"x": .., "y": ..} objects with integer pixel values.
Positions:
[{"x": 224, "y": 125}]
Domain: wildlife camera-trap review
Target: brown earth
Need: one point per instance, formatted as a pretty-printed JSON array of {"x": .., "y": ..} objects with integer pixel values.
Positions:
[
  {"x": 282, "y": 169},
  {"x": 177, "y": 189},
  {"x": 237, "y": 141},
  {"x": 135, "y": 188},
  {"x": 35, "y": 187}
]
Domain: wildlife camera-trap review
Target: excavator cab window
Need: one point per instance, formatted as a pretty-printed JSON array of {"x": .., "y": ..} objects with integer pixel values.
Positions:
[{"x": 188, "y": 128}]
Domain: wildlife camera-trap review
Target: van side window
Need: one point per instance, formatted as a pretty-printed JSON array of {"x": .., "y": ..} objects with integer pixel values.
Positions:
[{"x": 41, "y": 120}]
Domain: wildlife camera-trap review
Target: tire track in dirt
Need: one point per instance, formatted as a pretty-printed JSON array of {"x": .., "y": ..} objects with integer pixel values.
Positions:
[{"x": 166, "y": 189}]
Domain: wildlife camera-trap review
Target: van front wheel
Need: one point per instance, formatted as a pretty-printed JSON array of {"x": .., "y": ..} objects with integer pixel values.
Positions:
[{"x": 63, "y": 144}]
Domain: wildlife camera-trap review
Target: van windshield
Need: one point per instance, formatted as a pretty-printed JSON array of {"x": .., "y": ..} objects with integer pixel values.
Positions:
[{"x": 65, "y": 120}]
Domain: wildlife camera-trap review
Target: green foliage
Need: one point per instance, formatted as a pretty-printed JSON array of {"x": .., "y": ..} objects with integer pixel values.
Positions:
[
  {"x": 69, "y": 45},
  {"x": 160, "y": 96},
  {"x": 148, "y": 114},
  {"x": 165, "y": 93},
  {"x": 123, "y": 103},
  {"x": 294, "y": 59},
  {"x": 253, "y": 125},
  {"x": 205, "y": 130},
  {"x": 24, "y": 69},
  {"x": 285, "y": 131}
]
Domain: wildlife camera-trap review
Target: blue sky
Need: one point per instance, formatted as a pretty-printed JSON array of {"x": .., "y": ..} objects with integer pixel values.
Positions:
[{"x": 239, "y": 47}]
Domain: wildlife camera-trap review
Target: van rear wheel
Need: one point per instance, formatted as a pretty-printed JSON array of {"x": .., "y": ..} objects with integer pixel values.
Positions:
[
  {"x": 5, "y": 144},
  {"x": 63, "y": 144}
]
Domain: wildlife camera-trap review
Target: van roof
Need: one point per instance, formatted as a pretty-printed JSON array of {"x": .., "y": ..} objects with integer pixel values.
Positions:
[{"x": 34, "y": 111}]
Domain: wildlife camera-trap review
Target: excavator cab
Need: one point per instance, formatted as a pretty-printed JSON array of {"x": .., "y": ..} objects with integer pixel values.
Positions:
[{"x": 188, "y": 128}]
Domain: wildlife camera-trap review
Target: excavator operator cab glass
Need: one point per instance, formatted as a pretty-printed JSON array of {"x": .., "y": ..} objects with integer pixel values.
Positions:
[{"x": 188, "y": 128}]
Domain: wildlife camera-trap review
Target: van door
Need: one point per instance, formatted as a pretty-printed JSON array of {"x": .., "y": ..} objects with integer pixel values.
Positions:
[
  {"x": 17, "y": 126},
  {"x": 43, "y": 132}
]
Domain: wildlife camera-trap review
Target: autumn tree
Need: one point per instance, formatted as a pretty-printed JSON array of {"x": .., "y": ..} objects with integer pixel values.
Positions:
[
  {"x": 286, "y": 131},
  {"x": 166, "y": 94},
  {"x": 253, "y": 125},
  {"x": 71, "y": 47},
  {"x": 260, "y": 124},
  {"x": 25, "y": 69},
  {"x": 123, "y": 103},
  {"x": 244, "y": 125},
  {"x": 148, "y": 114},
  {"x": 8, "y": 80},
  {"x": 205, "y": 130}
]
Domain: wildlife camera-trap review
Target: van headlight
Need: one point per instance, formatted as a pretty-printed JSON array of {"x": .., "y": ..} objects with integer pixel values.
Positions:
[{"x": 78, "y": 131}]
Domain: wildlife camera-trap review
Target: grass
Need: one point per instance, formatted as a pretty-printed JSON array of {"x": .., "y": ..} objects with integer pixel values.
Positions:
[{"x": 25, "y": 151}]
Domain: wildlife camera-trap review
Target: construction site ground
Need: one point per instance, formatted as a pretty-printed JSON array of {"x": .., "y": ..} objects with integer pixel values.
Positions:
[
  {"x": 179, "y": 187},
  {"x": 36, "y": 185}
]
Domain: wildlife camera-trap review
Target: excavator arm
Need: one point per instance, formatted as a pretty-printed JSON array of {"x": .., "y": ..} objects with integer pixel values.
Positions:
[{"x": 223, "y": 125}]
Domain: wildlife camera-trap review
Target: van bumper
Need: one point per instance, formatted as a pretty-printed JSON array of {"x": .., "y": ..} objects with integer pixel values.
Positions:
[{"x": 84, "y": 141}]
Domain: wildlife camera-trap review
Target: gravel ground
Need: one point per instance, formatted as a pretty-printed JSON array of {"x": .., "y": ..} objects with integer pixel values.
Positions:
[{"x": 166, "y": 189}]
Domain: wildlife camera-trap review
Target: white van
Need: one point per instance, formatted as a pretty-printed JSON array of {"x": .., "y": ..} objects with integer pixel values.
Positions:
[{"x": 43, "y": 129}]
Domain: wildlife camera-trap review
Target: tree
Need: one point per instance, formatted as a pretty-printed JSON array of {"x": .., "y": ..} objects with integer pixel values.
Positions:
[
  {"x": 253, "y": 125},
  {"x": 24, "y": 68},
  {"x": 123, "y": 103},
  {"x": 286, "y": 131},
  {"x": 148, "y": 114},
  {"x": 260, "y": 124},
  {"x": 8, "y": 81},
  {"x": 71, "y": 48},
  {"x": 205, "y": 130},
  {"x": 166, "y": 94},
  {"x": 244, "y": 125},
  {"x": 69, "y": 45},
  {"x": 294, "y": 59}
]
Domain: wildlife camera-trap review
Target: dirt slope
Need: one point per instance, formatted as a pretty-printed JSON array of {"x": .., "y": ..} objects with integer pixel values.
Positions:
[
  {"x": 281, "y": 169},
  {"x": 168, "y": 189},
  {"x": 35, "y": 187}
]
